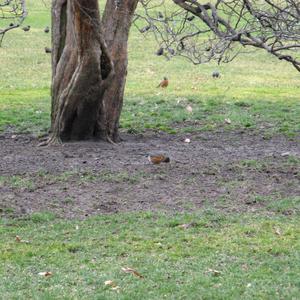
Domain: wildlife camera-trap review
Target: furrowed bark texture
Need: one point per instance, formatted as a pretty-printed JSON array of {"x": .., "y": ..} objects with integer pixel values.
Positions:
[
  {"x": 81, "y": 71},
  {"x": 116, "y": 21}
]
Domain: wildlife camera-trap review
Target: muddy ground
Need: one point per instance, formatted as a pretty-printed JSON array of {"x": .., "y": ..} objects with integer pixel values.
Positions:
[{"x": 231, "y": 171}]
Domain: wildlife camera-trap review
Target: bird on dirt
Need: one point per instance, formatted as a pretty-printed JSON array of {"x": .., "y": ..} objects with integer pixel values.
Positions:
[
  {"x": 157, "y": 159},
  {"x": 216, "y": 74},
  {"x": 48, "y": 50},
  {"x": 26, "y": 28},
  {"x": 164, "y": 83},
  {"x": 46, "y": 30}
]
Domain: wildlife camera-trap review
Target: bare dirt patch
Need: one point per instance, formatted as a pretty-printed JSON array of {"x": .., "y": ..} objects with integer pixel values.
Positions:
[{"x": 232, "y": 171}]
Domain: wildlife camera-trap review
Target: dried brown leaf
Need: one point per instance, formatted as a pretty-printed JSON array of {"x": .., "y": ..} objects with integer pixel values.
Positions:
[
  {"x": 19, "y": 240},
  {"x": 133, "y": 272},
  {"x": 184, "y": 226},
  {"x": 45, "y": 274},
  {"x": 110, "y": 283},
  {"x": 214, "y": 272},
  {"x": 277, "y": 231},
  {"x": 189, "y": 109}
]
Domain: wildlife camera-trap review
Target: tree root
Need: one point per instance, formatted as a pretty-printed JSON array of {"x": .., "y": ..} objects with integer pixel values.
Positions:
[
  {"x": 50, "y": 141},
  {"x": 109, "y": 140}
]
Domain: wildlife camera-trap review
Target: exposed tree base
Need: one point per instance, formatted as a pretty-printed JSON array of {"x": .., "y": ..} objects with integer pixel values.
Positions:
[{"x": 82, "y": 71}]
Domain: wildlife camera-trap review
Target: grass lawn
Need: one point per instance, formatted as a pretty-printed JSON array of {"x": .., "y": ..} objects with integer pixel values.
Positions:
[
  {"x": 207, "y": 254},
  {"x": 216, "y": 257}
]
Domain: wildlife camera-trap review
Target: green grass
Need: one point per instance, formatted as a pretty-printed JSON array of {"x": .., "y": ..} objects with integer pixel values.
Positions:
[
  {"x": 257, "y": 257},
  {"x": 255, "y": 92}
]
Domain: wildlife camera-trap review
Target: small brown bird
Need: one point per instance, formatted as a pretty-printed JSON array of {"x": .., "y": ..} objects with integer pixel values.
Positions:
[
  {"x": 46, "y": 30},
  {"x": 164, "y": 83},
  {"x": 26, "y": 28},
  {"x": 157, "y": 159},
  {"x": 48, "y": 50}
]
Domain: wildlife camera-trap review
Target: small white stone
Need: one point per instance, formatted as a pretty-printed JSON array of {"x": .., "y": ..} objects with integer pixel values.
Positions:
[
  {"x": 285, "y": 154},
  {"x": 187, "y": 140}
]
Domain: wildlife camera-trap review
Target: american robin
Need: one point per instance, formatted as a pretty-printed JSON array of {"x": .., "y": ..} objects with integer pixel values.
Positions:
[
  {"x": 26, "y": 28},
  {"x": 157, "y": 159},
  {"x": 164, "y": 83},
  {"x": 46, "y": 30}
]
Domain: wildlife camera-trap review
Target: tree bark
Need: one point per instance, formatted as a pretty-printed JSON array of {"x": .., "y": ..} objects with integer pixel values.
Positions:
[
  {"x": 116, "y": 21},
  {"x": 81, "y": 71}
]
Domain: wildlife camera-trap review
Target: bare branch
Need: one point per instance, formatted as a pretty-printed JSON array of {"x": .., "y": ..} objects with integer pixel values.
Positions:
[
  {"x": 220, "y": 30},
  {"x": 12, "y": 14}
]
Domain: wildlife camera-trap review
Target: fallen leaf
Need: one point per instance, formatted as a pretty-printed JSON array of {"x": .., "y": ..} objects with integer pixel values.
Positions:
[
  {"x": 189, "y": 109},
  {"x": 113, "y": 285},
  {"x": 214, "y": 272},
  {"x": 188, "y": 225},
  {"x": 133, "y": 272},
  {"x": 277, "y": 231},
  {"x": 187, "y": 140},
  {"x": 227, "y": 121},
  {"x": 45, "y": 274},
  {"x": 110, "y": 283},
  {"x": 19, "y": 240},
  {"x": 116, "y": 288},
  {"x": 184, "y": 226}
]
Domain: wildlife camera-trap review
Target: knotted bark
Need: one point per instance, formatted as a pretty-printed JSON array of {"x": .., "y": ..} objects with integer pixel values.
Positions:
[
  {"x": 89, "y": 68},
  {"x": 82, "y": 70},
  {"x": 117, "y": 19}
]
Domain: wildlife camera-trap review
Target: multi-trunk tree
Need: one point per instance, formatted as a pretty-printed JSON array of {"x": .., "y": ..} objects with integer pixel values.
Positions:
[{"x": 89, "y": 67}]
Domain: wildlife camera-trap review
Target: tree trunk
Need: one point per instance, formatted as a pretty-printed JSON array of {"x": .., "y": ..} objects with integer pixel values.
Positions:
[
  {"x": 116, "y": 21},
  {"x": 82, "y": 70}
]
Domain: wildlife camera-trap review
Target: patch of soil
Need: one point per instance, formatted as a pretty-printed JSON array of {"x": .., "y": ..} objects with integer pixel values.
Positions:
[{"x": 223, "y": 170}]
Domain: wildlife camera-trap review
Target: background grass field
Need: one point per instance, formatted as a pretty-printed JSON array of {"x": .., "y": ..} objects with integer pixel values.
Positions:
[
  {"x": 255, "y": 91},
  {"x": 218, "y": 256}
]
